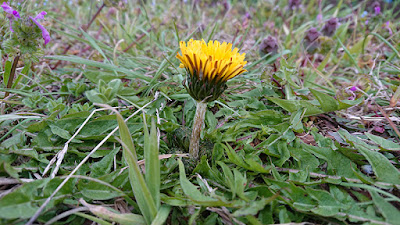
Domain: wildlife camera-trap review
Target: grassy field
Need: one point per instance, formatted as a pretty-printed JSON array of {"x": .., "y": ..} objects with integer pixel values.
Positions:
[{"x": 95, "y": 125}]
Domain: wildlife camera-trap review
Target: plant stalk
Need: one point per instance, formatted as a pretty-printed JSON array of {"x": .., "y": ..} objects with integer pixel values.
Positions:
[
  {"x": 12, "y": 75},
  {"x": 196, "y": 130}
]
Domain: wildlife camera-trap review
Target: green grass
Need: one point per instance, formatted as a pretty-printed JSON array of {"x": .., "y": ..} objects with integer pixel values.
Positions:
[{"x": 287, "y": 142}]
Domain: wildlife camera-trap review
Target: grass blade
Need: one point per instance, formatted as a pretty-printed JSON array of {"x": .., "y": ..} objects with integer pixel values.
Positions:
[
  {"x": 139, "y": 187},
  {"x": 162, "y": 215},
  {"x": 105, "y": 66},
  {"x": 151, "y": 152}
]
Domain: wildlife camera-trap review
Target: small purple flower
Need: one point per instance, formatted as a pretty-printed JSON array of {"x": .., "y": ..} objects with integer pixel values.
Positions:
[
  {"x": 41, "y": 15},
  {"x": 354, "y": 88},
  {"x": 10, "y": 10},
  {"x": 45, "y": 33},
  {"x": 12, "y": 14},
  {"x": 377, "y": 10}
]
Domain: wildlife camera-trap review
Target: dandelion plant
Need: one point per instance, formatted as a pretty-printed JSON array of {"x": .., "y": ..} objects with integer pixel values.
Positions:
[{"x": 208, "y": 66}]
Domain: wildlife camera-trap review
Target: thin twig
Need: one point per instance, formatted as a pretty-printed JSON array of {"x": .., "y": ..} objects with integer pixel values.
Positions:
[
  {"x": 389, "y": 120},
  {"x": 137, "y": 40},
  {"x": 94, "y": 17}
]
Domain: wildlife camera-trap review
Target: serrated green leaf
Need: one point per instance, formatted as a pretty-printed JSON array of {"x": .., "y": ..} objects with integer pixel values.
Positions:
[
  {"x": 62, "y": 133},
  {"x": 295, "y": 105},
  {"x": 193, "y": 193},
  {"x": 228, "y": 178},
  {"x": 103, "y": 166},
  {"x": 383, "y": 143},
  {"x": 327, "y": 103},
  {"x": 296, "y": 120},
  {"x": 382, "y": 167},
  {"x": 253, "y": 207},
  {"x": 24, "y": 201},
  {"x": 391, "y": 213}
]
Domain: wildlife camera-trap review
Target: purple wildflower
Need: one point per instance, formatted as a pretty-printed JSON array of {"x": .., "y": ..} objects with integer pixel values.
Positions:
[
  {"x": 376, "y": 7},
  {"x": 45, "y": 33},
  {"x": 377, "y": 10},
  {"x": 10, "y": 10},
  {"x": 12, "y": 14},
  {"x": 354, "y": 88},
  {"x": 41, "y": 15}
]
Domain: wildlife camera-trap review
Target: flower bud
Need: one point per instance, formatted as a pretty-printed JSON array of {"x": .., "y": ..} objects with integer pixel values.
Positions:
[
  {"x": 294, "y": 4},
  {"x": 376, "y": 8},
  {"x": 268, "y": 46},
  {"x": 311, "y": 40},
  {"x": 330, "y": 27},
  {"x": 208, "y": 67}
]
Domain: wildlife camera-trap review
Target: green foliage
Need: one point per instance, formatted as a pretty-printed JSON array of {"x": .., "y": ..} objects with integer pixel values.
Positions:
[{"x": 105, "y": 93}]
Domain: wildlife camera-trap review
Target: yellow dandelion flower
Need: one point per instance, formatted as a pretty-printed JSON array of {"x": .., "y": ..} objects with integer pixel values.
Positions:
[
  {"x": 212, "y": 61},
  {"x": 209, "y": 66}
]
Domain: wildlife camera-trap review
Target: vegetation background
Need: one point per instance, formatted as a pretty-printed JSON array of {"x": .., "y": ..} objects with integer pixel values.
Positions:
[{"x": 309, "y": 135}]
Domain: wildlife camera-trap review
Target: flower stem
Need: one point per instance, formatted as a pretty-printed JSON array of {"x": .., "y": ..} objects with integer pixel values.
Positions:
[
  {"x": 94, "y": 17},
  {"x": 12, "y": 74},
  {"x": 196, "y": 130}
]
